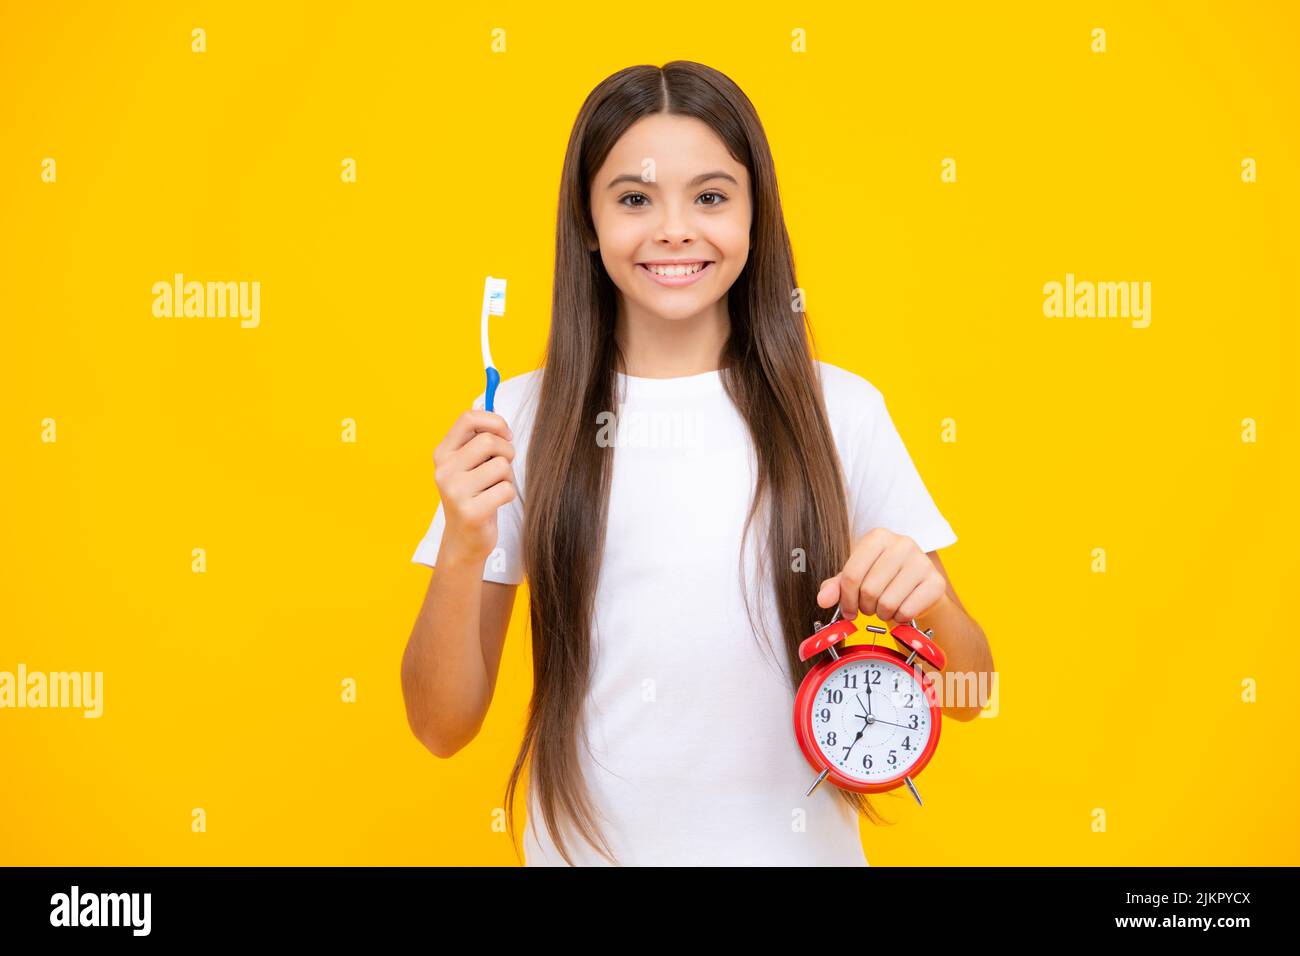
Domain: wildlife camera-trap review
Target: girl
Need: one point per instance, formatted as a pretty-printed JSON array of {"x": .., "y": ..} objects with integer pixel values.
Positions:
[{"x": 678, "y": 409}]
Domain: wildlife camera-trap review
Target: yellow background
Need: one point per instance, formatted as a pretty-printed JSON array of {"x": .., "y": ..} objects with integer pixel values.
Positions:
[{"x": 1119, "y": 691}]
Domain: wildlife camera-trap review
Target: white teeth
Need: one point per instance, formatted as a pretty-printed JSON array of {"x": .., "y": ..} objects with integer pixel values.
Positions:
[{"x": 677, "y": 270}]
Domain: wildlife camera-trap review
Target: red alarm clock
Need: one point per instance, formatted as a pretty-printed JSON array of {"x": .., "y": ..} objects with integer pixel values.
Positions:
[{"x": 865, "y": 717}]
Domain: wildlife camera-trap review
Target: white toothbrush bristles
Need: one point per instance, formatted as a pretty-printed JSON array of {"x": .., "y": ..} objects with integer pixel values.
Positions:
[{"x": 494, "y": 303}]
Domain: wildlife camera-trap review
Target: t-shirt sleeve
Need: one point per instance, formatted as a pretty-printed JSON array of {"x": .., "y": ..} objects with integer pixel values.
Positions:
[
  {"x": 885, "y": 489},
  {"x": 505, "y": 564}
]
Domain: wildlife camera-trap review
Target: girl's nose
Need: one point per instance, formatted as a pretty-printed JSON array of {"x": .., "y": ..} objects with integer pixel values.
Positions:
[{"x": 675, "y": 226}]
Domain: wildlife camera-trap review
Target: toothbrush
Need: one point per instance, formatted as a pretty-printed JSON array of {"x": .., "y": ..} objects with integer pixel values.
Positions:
[{"x": 494, "y": 303}]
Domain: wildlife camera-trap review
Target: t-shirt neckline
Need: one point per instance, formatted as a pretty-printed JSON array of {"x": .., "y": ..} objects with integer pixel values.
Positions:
[{"x": 703, "y": 383}]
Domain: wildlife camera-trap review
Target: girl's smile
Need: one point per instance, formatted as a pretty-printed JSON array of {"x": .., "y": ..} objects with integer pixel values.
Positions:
[{"x": 675, "y": 273}]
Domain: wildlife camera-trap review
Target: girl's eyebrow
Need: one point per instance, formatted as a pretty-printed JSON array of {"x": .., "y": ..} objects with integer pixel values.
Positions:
[{"x": 701, "y": 178}]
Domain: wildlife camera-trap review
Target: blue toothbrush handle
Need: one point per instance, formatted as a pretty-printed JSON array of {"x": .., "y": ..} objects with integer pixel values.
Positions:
[{"x": 493, "y": 378}]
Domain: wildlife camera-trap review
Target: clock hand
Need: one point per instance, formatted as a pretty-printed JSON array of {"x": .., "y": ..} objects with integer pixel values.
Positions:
[
  {"x": 860, "y": 732},
  {"x": 890, "y": 723}
]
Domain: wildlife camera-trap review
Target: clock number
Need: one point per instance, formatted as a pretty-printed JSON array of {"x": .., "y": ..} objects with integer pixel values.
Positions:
[
  {"x": 866, "y": 761},
  {"x": 893, "y": 758},
  {"x": 834, "y": 696},
  {"x": 830, "y": 739},
  {"x": 850, "y": 681},
  {"x": 915, "y": 718},
  {"x": 824, "y": 713},
  {"x": 907, "y": 743}
]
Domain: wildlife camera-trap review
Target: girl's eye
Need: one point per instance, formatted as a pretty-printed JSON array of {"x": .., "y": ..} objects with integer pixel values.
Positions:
[{"x": 637, "y": 205}]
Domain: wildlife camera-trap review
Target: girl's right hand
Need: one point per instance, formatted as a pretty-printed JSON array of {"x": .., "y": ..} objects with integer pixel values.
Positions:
[{"x": 474, "y": 475}]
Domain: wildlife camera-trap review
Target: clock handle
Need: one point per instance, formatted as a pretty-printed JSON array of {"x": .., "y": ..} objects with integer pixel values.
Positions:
[
  {"x": 817, "y": 625},
  {"x": 826, "y": 636}
]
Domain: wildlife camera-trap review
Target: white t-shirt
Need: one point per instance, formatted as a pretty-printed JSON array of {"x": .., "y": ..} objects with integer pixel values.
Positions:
[{"x": 692, "y": 756}]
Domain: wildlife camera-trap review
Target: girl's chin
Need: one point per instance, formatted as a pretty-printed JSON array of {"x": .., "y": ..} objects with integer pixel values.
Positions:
[{"x": 682, "y": 311}]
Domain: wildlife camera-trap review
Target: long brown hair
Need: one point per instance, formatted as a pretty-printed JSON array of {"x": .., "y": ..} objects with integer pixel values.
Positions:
[{"x": 768, "y": 372}]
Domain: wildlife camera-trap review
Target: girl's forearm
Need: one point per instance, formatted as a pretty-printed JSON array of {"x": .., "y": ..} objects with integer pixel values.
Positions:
[
  {"x": 444, "y": 679},
  {"x": 968, "y": 673}
]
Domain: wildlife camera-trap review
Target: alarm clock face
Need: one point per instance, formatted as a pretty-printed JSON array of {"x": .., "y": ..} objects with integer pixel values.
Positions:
[{"x": 871, "y": 719}]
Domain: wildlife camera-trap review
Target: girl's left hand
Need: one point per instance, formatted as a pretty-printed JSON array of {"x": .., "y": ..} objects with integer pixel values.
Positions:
[{"x": 887, "y": 575}]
